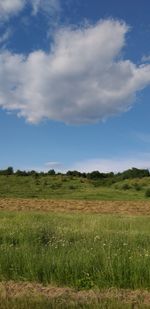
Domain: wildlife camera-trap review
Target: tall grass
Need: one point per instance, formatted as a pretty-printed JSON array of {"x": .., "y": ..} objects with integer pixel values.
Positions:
[{"x": 82, "y": 251}]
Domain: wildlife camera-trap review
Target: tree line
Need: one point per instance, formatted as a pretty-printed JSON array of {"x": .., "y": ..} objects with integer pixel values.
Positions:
[{"x": 95, "y": 175}]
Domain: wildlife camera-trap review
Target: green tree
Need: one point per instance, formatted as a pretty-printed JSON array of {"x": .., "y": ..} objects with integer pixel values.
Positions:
[{"x": 51, "y": 172}]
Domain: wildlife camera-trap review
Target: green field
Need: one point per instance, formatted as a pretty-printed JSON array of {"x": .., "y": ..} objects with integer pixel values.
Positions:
[
  {"x": 77, "y": 251},
  {"x": 65, "y": 187},
  {"x": 81, "y": 251}
]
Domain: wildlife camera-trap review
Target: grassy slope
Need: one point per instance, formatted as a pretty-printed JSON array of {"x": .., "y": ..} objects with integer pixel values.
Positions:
[{"x": 62, "y": 187}]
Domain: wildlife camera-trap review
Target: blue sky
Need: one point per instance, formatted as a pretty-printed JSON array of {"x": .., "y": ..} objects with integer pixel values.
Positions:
[{"x": 74, "y": 84}]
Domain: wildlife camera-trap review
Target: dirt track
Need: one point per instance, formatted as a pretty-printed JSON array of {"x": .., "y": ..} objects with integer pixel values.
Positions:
[{"x": 101, "y": 207}]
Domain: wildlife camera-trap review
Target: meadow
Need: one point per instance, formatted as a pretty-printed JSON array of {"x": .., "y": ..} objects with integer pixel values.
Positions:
[
  {"x": 78, "y": 251},
  {"x": 73, "y": 242}
]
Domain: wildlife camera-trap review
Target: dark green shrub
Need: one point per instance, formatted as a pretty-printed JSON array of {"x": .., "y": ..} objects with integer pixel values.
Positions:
[
  {"x": 71, "y": 187},
  {"x": 86, "y": 282},
  {"x": 125, "y": 186},
  {"x": 147, "y": 192},
  {"x": 137, "y": 186}
]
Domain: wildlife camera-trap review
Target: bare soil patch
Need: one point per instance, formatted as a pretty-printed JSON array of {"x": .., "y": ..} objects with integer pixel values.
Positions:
[
  {"x": 99, "y": 207},
  {"x": 65, "y": 294}
]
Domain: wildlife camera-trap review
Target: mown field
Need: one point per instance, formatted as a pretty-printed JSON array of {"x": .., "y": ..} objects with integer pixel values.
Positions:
[
  {"x": 65, "y": 187},
  {"x": 77, "y": 251}
]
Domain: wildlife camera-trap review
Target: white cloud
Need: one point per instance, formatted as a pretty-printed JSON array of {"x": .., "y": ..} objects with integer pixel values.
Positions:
[
  {"x": 113, "y": 164},
  {"x": 81, "y": 79},
  {"x": 13, "y": 7}
]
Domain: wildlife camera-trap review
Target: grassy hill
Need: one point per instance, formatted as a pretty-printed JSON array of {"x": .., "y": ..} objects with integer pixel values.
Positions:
[{"x": 69, "y": 187}]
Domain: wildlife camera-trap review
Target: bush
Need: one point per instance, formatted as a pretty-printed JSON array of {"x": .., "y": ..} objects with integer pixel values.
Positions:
[
  {"x": 125, "y": 186},
  {"x": 137, "y": 186},
  {"x": 71, "y": 187},
  {"x": 147, "y": 192}
]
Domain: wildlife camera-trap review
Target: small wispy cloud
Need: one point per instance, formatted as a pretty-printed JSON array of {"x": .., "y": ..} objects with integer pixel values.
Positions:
[
  {"x": 49, "y": 6},
  {"x": 10, "y": 8},
  {"x": 45, "y": 167},
  {"x": 105, "y": 165},
  {"x": 144, "y": 137},
  {"x": 5, "y": 36},
  {"x": 113, "y": 164},
  {"x": 53, "y": 165},
  {"x": 146, "y": 58}
]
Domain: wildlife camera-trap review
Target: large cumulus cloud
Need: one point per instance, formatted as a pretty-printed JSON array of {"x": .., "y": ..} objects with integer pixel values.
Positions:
[{"x": 82, "y": 79}]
